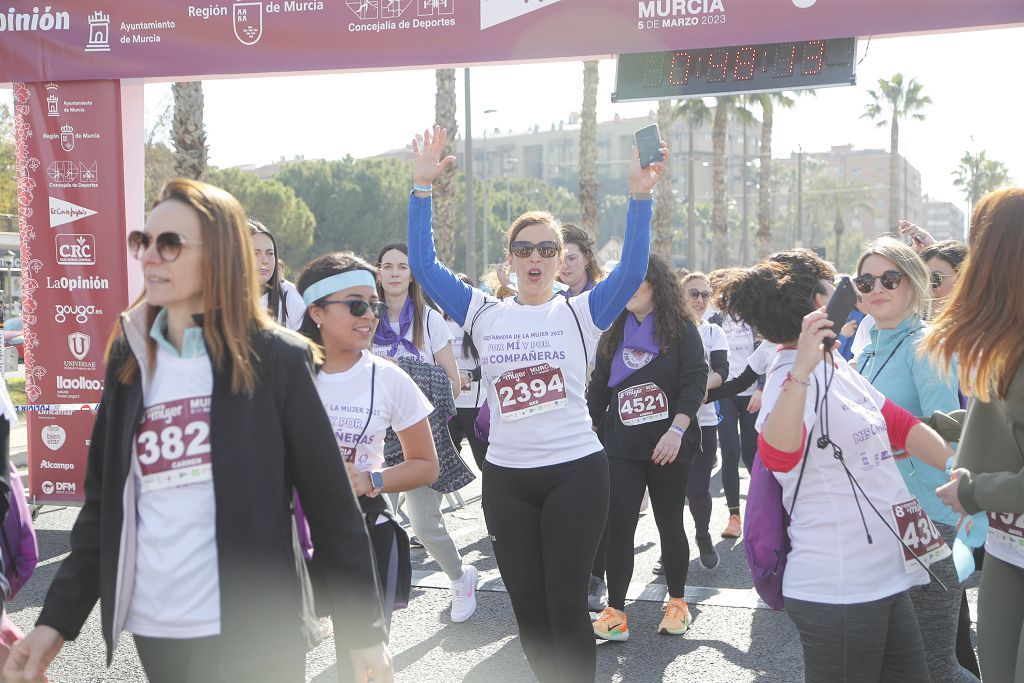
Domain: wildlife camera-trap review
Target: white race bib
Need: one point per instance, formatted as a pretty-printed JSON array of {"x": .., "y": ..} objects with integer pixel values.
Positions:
[{"x": 530, "y": 391}]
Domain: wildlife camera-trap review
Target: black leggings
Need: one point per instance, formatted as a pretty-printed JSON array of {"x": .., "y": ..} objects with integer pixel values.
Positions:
[
  {"x": 666, "y": 483},
  {"x": 739, "y": 439},
  {"x": 546, "y": 523},
  {"x": 698, "y": 486},
  {"x": 462, "y": 426},
  {"x": 198, "y": 660}
]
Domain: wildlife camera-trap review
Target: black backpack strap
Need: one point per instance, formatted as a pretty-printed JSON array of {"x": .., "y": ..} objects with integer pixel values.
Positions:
[{"x": 583, "y": 339}]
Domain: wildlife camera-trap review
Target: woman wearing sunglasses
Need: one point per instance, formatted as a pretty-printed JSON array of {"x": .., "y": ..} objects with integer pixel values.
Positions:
[
  {"x": 279, "y": 297},
  {"x": 989, "y": 474},
  {"x": 209, "y": 419},
  {"x": 545, "y": 478},
  {"x": 828, "y": 438},
  {"x": 363, "y": 395},
  {"x": 697, "y": 292},
  {"x": 648, "y": 383},
  {"x": 894, "y": 284},
  {"x": 580, "y": 269},
  {"x": 412, "y": 329},
  {"x": 943, "y": 260}
]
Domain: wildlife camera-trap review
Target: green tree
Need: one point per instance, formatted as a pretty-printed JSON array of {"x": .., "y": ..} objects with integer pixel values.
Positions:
[
  {"x": 892, "y": 101},
  {"x": 664, "y": 208},
  {"x": 275, "y": 205},
  {"x": 589, "y": 186},
  {"x": 977, "y": 174},
  {"x": 8, "y": 163},
  {"x": 834, "y": 199},
  {"x": 444, "y": 186},
  {"x": 188, "y": 130}
]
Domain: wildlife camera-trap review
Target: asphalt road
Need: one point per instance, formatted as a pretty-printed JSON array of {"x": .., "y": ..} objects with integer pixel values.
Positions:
[{"x": 731, "y": 639}]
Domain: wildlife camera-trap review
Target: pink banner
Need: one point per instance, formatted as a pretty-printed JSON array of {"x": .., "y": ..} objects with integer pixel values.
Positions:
[
  {"x": 80, "y": 39},
  {"x": 74, "y": 281}
]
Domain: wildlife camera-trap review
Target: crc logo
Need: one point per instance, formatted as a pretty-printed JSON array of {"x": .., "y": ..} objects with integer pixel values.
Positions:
[
  {"x": 80, "y": 313},
  {"x": 76, "y": 250},
  {"x": 78, "y": 344}
]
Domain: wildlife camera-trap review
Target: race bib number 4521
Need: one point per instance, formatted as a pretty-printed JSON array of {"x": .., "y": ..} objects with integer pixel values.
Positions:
[
  {"x": 530, "y": 391},
  {"x": 641, "y": 404},
  {"x": 920, "y": 537},
  {"x": 173, "y": 444}
]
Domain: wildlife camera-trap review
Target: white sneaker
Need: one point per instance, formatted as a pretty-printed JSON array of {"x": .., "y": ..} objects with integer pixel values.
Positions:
[{"x": 464, "y": 594}]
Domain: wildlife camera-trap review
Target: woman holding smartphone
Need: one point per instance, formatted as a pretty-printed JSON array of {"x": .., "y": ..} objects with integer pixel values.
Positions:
[
  {"x": 544, "y": 463},
  {"x": 192, "y": 561}
]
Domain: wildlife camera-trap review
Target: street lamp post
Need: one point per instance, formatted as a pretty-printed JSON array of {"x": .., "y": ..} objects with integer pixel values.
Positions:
[
  {"x": 486, "y": 176},
  {"x": 470, "y": 204}
]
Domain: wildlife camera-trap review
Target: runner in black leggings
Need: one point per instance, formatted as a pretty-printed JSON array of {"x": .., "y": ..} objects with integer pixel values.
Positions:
[{"x": 647, "y": 386}]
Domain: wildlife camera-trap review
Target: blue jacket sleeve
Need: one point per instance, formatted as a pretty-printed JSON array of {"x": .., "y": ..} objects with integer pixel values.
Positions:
[
  {"x": 449, "y": 292},
  {"x": 610, "y": 295}
]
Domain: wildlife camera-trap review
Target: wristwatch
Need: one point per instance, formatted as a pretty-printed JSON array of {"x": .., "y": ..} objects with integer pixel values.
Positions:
[{"x": 377, "y": 482}]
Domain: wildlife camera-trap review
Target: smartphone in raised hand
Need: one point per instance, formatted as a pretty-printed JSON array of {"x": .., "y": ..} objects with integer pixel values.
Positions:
[
  {"x": 648, "y": 144},
  {"x": 839, "y": 308}
]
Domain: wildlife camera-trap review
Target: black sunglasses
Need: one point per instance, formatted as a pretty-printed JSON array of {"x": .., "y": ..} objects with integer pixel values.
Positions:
[
  {"x": 937, "y": 279},
  {"x": 358, "y": 307},
  {"x": 168, "y": 244},
  {"x": 697, "y": 294},
  {"x": 891, "y": 279},
  {"x": 546, "y": 249}
]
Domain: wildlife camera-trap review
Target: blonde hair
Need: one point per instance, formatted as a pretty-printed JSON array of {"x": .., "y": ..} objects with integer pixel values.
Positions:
[
  {"x": 981, "y": 323},
  {"x": 907, "y": 260}
]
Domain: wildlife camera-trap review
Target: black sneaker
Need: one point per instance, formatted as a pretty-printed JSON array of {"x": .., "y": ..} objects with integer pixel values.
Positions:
[
  {"x": 658, "y": 569},
  {"x": 709, "y": 558},
  {"x": 414, "y": 542}
]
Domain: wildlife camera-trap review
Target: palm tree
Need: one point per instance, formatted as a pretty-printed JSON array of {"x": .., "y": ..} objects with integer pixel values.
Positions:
[
  {"x": 696, "y": 113},
  {"x": 893, "y": 101},
  {"x": 661, "y": 221},
  {"x": 767, "y": 102},
  {"x": 719, "y": 218},
  {"x": 444, "y": 186},
  {"x": 188, "y": 131},
  {"x": 588, "y": 150},
  {"x": 977, "y": 175}
]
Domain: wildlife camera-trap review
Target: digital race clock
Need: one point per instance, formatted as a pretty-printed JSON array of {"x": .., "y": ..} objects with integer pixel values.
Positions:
[{"x": 738, "y": 69}]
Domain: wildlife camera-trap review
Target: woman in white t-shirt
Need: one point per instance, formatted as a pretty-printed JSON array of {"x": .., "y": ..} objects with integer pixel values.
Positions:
[
  {"x": 467, "y": 405},
  {"x": 279, "y": 297},
  {"x": 415, "y": 330},
  {"x": 829, "y": 438},
  {"x": 209, "y": 420},
  {"x": 363, "y": 396}
]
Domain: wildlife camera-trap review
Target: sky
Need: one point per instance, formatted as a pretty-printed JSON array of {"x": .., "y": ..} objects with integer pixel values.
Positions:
[{"x": 977, "y": 105}]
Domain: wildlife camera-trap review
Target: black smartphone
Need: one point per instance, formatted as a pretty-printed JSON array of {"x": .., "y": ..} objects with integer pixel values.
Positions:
[
  {"x": 648, "y": 144},
  {"x": 839, "y": 308}
]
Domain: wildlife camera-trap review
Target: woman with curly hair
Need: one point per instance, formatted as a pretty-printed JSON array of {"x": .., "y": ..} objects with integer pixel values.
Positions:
[{"x": 647, "y": 386}]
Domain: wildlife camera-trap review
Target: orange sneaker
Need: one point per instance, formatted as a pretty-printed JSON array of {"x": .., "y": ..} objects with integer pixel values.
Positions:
[
  {"x": 734, "y": 528},
  {"x": 611, "y": 624},
  {"x": 677, "y": 618}
]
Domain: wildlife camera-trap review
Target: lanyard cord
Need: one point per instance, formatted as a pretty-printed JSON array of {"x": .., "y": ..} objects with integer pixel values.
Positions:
[
  {"x": 369, "y": 413},
  {"x": 889, "y": 357},
  {"x": 824, "y": 440}
]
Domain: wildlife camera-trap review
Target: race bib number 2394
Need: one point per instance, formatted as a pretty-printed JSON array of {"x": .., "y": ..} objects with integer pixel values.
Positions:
[
  {"x": 529, "y": 391},
  {"x": 173, "y": 444}
]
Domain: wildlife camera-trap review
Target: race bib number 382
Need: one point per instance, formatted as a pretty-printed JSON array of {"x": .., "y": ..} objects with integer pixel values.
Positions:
[
  {"x": 529, "y": 391},
  {"x": 173, "y": 444}
]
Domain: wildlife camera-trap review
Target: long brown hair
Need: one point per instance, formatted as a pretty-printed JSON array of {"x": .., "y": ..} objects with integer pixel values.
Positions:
[
  {"x": 574, "y": 234},
  {"x": 231, "y": 310},
  {"x": 419, "y": 304},
  {"x": 669, "y": 309},
  {"x": 982, "y": 321}
]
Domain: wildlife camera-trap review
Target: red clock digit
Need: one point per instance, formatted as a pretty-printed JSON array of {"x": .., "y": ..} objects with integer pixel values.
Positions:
[
  {"x": 814, "y": 58},
  {"x": 746, "y": 63},
  {"x": 785, "y": 60},
  {"x": 718, "y": 65},
  {"x": 679, "y": 70}
]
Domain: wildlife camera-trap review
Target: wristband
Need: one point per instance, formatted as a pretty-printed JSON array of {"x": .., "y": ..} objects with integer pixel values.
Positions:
[
  {"x": 676, "y": 429},
  {"x": 640, "y": 195},
  {"x": 416, "y": 187},
  {"x": 791, "y": 378}
]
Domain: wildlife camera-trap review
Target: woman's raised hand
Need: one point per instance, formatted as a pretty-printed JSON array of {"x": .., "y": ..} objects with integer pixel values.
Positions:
[
  {"x": 809, "y": 351},
  {"x": 643, "y": 180},
  {"x": 427, "y": 163}
]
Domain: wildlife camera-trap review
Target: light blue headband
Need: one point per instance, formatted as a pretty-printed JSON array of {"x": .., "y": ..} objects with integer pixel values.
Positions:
[{"x": 336, "y": 283}]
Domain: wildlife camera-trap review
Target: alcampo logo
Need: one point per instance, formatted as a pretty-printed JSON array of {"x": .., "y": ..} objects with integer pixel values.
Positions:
[
  {"x": 50, "y": 465},
  {"x": 80, "y": 313}
]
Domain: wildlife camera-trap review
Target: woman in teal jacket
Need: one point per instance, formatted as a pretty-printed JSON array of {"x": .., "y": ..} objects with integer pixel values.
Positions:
[{"x": 894, "y": 284}]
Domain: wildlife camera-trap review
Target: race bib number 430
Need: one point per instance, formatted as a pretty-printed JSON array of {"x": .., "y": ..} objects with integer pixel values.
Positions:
[
  {"x": 173, "y": 444},
  {"x": 530, "y": 391},
  {"x": 641, "y": 404},
  {"x": 920, "y": 537}
]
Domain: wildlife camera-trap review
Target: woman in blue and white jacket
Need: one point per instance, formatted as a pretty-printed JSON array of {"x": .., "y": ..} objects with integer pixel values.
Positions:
[
  {"x": 895, "y": 287},
  {"x": 545, "y": 478}
]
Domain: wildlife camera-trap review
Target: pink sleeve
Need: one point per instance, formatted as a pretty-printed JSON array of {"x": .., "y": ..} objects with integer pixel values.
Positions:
[
  {"x": 780, "y": 461},
  {"x": 898, "y": 422}
]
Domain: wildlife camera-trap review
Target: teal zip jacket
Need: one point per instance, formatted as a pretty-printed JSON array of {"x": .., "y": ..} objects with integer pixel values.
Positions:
[{"x": 892, "y": 365}]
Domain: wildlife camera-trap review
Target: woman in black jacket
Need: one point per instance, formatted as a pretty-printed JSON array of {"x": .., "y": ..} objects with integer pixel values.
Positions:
[
  {"x": 647, "y": 386},
  {"x": 210, "y": 417}
]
